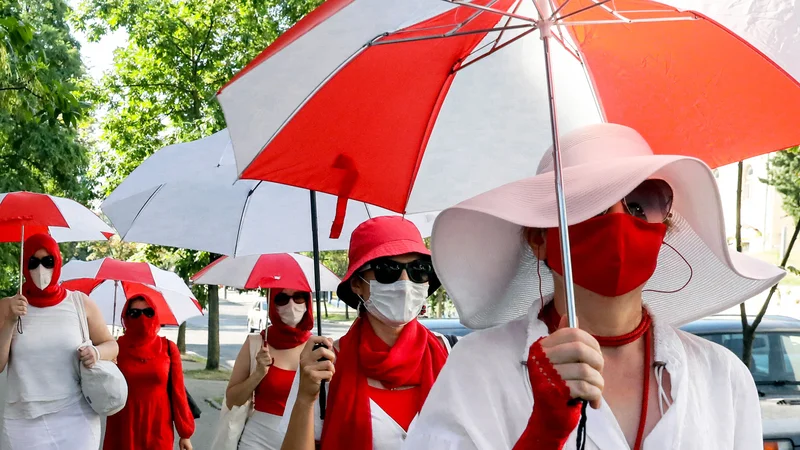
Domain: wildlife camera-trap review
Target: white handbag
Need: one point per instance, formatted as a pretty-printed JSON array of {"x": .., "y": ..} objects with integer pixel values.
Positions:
[
  {"x": 232, "y": 421},
  {"x": 103, "y": 385}
]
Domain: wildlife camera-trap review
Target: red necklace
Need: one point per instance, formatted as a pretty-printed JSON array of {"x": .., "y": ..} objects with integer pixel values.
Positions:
[{"x": 551, "y": 318}]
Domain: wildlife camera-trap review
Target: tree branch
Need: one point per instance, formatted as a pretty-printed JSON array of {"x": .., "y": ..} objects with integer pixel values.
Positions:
[
  {"x": 774, "y": 288},
  {"x": 205, "y": 41},
  {"x": 13, "y": 88}
]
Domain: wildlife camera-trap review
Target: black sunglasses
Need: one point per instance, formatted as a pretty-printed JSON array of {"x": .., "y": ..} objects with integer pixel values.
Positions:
[
  {"x": 388, "y": 271},
  {"x": 299, "y": 297},
  {"x": 135, "y": 313},
  {"x": 651, "y": 201},
  {"x": 48, "y": 262}
]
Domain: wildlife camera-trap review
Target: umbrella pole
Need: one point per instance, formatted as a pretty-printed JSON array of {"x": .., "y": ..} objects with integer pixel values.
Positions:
[
  {"x": 21, "y": 275},
  {"x": 21, "y": 257},
  {"x": 315, "y": 239},
  {"x": 114, "y": 314},
  {"x": 323, "y": 398},
  {"x": 562, "y": 204}
]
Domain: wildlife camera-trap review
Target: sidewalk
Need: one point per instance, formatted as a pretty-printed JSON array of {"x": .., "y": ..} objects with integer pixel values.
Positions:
[{"x": 205, "y": 393}]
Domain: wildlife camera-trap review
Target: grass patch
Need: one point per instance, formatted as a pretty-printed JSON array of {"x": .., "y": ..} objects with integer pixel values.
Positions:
[
  {"x": 339, "y": 317},
  {"x": 213, "y": 375},
  {"x": 193, "y": 357}
]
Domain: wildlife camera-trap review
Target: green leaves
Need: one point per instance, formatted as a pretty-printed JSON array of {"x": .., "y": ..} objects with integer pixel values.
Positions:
[{"x": 783, "y": 173}]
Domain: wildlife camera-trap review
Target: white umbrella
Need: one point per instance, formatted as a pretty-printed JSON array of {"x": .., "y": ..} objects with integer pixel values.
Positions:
[{"x": 187, "y": 195}]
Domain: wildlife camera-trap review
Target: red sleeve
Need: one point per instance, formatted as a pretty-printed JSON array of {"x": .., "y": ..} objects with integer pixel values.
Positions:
[
  {"x": 554, "y": 416},
  {"x": 181, "y": 414}
]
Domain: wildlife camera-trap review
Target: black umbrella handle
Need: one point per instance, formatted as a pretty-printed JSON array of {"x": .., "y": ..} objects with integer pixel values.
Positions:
[{"x": 323, "y": 399}]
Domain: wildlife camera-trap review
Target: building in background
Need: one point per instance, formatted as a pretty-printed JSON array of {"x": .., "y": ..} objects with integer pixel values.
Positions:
[{"x": 766, "y": 228}]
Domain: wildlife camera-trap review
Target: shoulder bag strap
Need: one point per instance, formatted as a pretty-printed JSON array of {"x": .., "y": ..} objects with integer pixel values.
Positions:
[{"x": 83, "y": 322}]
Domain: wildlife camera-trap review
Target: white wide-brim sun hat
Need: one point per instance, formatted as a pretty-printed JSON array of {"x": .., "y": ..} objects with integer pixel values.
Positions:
[{"x": 489, "y": 271}]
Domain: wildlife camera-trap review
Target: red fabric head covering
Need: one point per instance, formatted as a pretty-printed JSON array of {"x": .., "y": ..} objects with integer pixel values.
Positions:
[
  {"x": 377, "y": 238},
  {"x": 141, "y": 338},
  {"x": 282, "y": 336},
  {"x": 54, "y": 293},
  {"x": 414, "y": 360}
]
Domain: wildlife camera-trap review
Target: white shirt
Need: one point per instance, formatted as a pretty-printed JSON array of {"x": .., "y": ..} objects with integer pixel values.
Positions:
[
  {"x": 387, "y": 434},
  {"x": 43, "y": 367},
  {"x": 482, "y": 399}
]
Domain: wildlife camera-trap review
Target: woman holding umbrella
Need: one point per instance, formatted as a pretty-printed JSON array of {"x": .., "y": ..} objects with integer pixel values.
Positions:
[
  {"x": 382, "y": 369},
  {"x": 649, "y": 253},
  {"x": 45, "y": 407},
  {"x": 290, "y": 312},
  {"x": 156, "y": 393}
]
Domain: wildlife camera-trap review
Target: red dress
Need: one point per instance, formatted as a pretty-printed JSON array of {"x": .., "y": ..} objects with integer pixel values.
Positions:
[{"x": 156, "y": 399}]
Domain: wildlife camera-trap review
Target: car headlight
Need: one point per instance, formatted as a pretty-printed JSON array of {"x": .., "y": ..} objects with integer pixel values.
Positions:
[{"x": 778, "y": 445}]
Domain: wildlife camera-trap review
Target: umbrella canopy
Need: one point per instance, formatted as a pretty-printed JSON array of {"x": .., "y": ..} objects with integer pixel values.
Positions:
[
  {"x": 280, "y": 270},
  {"x": 187, "y": 195},
  {"x": 64, "y": 219},
  {"x": 109, "y": 282},
  {"x": 467, "y": 84}
]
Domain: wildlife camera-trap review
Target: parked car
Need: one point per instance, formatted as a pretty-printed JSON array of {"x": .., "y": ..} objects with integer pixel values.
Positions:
[
  {"x": 775, "y": 367},
  {"x": 258, "y": 316}
]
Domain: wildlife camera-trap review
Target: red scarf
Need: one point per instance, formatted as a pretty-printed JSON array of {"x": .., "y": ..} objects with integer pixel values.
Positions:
[
  {"x": 54, "y": 293},
  {"x": 141, "y": 340},
  {"x": 282, "y": 336},
  {"x": 414, "y": 360}
]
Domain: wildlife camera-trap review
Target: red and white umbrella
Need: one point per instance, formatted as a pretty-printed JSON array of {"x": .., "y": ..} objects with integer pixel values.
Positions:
[
  {"x": 64, "y": 219},
  {"x": 277, "y": 270},
  {"x": 416, "y": 105},
  {"x": 109, "y": 282}
]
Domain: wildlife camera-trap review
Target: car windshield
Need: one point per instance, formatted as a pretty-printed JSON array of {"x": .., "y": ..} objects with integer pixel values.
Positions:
[{"x": 776, "y": 359}]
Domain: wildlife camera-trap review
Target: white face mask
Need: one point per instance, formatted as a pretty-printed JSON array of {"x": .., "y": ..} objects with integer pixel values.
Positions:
[
  {"x": 397, "y": 303},
  {"x": 291, "y": 313},
  {"x": 42, "y": 277}
]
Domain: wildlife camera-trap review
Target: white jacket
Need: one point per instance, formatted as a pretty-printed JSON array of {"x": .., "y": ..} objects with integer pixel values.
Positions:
[{"x": 482, "y": 399}]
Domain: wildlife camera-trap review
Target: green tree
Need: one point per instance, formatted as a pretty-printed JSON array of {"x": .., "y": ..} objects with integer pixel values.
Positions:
[
  {"x": 42, "y": 109},
  {"x": 162, "y": 87},
  {"x": 783, "y": 173}
]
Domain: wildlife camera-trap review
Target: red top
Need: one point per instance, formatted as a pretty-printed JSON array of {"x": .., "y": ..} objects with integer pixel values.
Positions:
[
  {"x": 156, "y": 399},
  {"x": 401, "y": 405},
  {"x": 272, "y": 392}
]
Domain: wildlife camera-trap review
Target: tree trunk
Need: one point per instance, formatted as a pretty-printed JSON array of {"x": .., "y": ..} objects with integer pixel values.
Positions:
[
  {"x": 213, "y": 328},
  {"x": 325, "y": 305},
  {"x": 346, "y": 312},
  {"x": 182, "y": 338},
  {"x": 213, "y": 323},
  {"x": 749, "y": 332},
  {"x": 440, "y": 305},
  {"x": 742, "y": 309}
]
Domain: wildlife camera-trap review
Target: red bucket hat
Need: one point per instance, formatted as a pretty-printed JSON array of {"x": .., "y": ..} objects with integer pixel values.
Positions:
[{"x": 381, "y": 237}]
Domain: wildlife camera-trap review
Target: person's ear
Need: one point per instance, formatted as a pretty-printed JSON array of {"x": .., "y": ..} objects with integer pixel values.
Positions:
[
  {"x": 357, "y": 286},
  {"x": 536, "y": 240}
]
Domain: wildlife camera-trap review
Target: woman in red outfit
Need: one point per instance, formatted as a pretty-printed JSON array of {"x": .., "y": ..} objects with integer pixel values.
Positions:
[
  {"x": 277, "y": 353},
  {"x": 387, "y": 362},
  {"x": 156, "y": 394}
]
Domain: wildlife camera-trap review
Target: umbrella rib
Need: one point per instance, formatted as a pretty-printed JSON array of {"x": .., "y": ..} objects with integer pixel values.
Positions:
[
  {"x": 241, "y": 218},
  {"x": 142, "y": 209},
  {"x": 587, "y": 8},
  {"x": 446, "y": 35},
  {"x": 496, "y": 49},
  {"x": 491, "y": 10},
  {"x": 508, "y": 22}
]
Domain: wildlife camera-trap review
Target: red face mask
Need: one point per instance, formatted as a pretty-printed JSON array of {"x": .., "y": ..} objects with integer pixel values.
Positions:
[{"x": 612, "y": 254}]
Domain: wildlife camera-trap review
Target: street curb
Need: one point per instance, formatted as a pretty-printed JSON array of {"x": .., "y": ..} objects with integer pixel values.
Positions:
[{"x": 214, "y": 404}]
